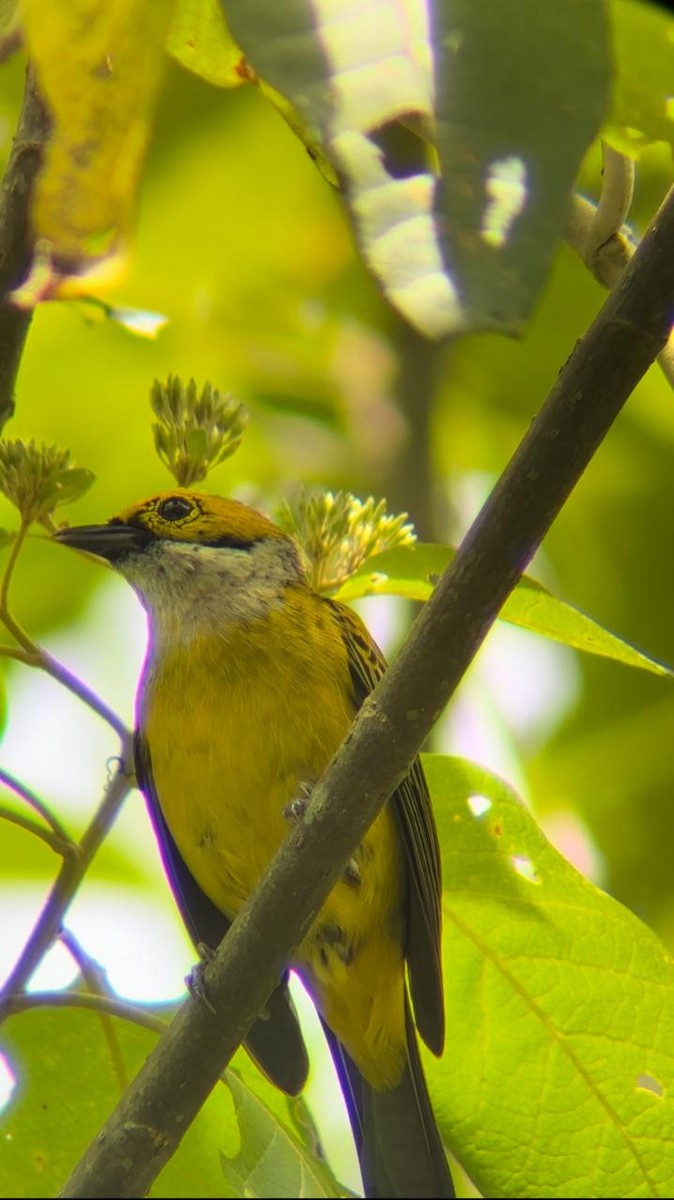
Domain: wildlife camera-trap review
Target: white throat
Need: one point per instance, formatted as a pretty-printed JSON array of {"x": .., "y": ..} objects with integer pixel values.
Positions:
[{"x": 189, "y": 589}]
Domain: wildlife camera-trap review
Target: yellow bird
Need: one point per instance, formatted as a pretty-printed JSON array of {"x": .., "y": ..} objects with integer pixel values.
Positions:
[{"x": 250, "y": 684}]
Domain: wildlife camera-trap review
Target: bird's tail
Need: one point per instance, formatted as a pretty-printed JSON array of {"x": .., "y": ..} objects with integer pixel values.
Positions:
[{"x": 398, "y": 1142}]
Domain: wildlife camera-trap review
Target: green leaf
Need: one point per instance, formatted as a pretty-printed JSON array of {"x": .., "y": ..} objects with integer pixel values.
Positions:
[
  {"x": 272, "y": 1159},
  {"x": 473, "y": 252},
  {"x": 558, "y": 1072},
  {"x": 198, "y": 38},
  {"x": 522, "y": 89},
  {"x": 66, "y": 1087},
  {"x": 292, "y": 1113},
  {"x": 246, "y": 1140},
  {"x": 643, "y": 98},
  {"x": 350, "y": 73},
  {"x": 413, "y": 571}
]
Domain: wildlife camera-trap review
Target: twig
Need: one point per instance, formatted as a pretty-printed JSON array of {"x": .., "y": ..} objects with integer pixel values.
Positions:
[
  {"x": 46, "y": 662},
  {"x": 606, "y": 262},
  {"x": 96, "y": 980},
  {"x": 15, "y": 241},
  {"x": 58, "y": 671},
  {"x": 92, "y": 972},
  {"x": 615, "y": 200},
  {"x": 606, "y": 364},
  {"x": 30, "y": 660},
  {"x": 56, "y": 843},
  {"x": 597, "y": 233},
  {"x": 14, "y": 785},
  {"x": 109, "y": 1005},
  {"x": 42, "y": 659},
  {"x": 72, "y": 871},
  {"x": 33, "y": 655},
  {"x": 13, "y": 627}
]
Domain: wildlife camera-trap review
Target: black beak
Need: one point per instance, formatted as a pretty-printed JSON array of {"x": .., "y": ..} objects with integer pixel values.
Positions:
[{"x": 112, "y": 542}]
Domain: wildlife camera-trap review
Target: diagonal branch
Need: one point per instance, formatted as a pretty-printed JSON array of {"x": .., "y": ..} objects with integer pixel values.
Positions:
[
  {"x": 73, "y": 870},
  {"x": 594, "y": 384}
]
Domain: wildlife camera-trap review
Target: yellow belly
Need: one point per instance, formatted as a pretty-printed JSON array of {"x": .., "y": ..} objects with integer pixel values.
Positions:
[{"x": 235, "y": 733}]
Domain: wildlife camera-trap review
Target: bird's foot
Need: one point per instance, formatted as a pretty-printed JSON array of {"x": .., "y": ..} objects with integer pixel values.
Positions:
[
  {"x": 195, "y": 981},
  {"x": 294, "y": 812}
]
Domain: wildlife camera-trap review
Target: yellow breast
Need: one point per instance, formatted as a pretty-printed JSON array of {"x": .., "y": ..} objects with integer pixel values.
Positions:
[{"x": 239, "y": 726}]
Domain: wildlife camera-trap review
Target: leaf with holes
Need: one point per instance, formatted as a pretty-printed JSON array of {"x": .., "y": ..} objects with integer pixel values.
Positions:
[
  {"x": 521, "y": 91},
  {"x": 244, "y": 1140},
  {"x": 558, "y": 1072},
  {"x": 502, "y": 100},
  {"x": 271, "y": 1159}
]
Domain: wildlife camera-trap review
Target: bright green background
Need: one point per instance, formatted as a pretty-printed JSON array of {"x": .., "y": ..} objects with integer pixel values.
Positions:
[
  {"x": 244, "y": 247},
  {"x": 242, "y": 244}
]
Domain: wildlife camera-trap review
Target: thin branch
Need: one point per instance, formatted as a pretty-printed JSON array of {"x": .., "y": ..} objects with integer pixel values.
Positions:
[
  {"x": 55, "y": 843},
  {"x": 14, "y": 785},
  {"x": 592, "y": 387},
  {"x": 30, "y": 660},
  {"x": 598, "y": 234},
  {"x": 96, "y": 980},
  {"x": 12, "y": 626},
  {"x": 91, "y": 971},
  {"x": 38, "y": 657},
  {"x": 615, "y": 200},
  {"x": 35, "y": 656},
  {"x": 597, "y": 231},
  {"x": 606, "y": 262},
  {"x": 109, "y": 1005},
  {"x": 76, "y": 857},
  {"x": 70, "y": 876},
  {"x": 15, "y": 240},
  {"x": 9, "y": 567},
  {"x": 63, "y": 675}
]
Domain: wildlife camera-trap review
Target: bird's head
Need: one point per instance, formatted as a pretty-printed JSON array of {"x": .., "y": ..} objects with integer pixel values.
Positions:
[{"x": 194, "y": 558}]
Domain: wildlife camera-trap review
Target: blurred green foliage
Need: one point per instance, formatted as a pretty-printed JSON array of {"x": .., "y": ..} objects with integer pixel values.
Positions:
[
  {"x": 65, "y": 1062},
  {"x": 285, "y": 316},
  {"x": 241, "y": 243}
]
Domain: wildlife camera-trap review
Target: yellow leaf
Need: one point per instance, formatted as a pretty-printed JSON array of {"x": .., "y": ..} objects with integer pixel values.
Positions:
[{"x": 99, "y": 66}]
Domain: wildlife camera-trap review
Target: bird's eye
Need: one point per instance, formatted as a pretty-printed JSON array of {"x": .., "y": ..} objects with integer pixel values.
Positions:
[{"x": 174, "y": 509}]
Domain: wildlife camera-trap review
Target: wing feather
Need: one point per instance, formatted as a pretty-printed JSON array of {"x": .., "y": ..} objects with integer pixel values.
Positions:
[{"x": 411, "y": 805}]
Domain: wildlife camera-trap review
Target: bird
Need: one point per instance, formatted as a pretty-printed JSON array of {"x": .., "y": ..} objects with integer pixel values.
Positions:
[{"x": 250, "y": 683}]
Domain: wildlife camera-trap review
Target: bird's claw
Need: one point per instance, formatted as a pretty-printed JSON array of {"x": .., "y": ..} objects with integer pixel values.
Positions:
[
  {"x": 294, "y": 812},
  {"x": 195, "y": 981}
]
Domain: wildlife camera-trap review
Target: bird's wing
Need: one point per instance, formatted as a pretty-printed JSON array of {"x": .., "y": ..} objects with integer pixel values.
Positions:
[
  {"x": 411, "y": 805},
  {"x": 275, "y": 1040}
]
